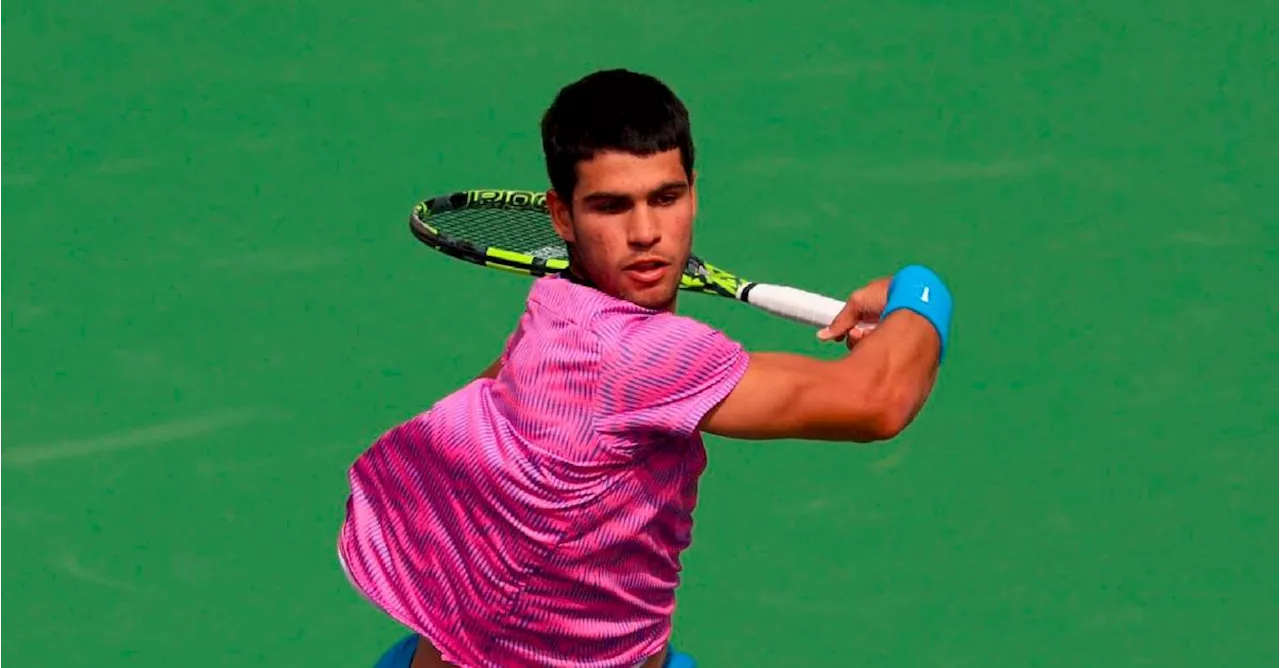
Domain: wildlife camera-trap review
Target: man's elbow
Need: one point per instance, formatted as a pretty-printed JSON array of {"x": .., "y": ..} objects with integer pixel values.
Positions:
[
  {"x": 886, "y": 425},
  {"x": 884, "y": 416}
]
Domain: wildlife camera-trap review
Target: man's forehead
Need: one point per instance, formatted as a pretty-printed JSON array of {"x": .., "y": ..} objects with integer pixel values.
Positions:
[{"x": 629, "y": 174}]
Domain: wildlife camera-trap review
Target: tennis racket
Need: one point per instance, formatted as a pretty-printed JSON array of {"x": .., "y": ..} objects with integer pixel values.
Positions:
[{"x": 511, "y": 230}]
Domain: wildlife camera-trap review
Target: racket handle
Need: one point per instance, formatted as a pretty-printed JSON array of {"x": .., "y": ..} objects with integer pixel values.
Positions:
[{"x": 793, "y": 304}]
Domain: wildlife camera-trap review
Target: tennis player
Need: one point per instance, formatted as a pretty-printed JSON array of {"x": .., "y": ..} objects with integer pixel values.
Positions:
[{"x": 537, "y": 515}]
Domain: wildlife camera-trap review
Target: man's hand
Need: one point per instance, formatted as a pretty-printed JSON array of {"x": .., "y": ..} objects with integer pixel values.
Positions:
[{"x": 864, "y": 306}]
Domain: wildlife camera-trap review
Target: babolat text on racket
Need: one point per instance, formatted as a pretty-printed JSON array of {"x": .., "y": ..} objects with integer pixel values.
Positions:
[{"x": 512, "y": 230}]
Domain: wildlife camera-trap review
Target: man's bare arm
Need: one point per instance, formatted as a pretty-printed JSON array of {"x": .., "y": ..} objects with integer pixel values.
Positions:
[{"x": 872, "y": 394}]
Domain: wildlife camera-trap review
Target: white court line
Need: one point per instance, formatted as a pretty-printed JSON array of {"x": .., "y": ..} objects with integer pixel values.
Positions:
[
  {"x": 176, "y": 430},
  {"x": 71, "y": 565}
]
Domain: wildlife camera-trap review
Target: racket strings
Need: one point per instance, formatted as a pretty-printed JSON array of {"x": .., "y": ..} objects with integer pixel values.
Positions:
[{"x": 525, "y": 231}]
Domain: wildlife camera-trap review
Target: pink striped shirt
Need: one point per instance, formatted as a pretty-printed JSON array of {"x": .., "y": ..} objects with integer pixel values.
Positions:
[{"x": 539, "y": 517}]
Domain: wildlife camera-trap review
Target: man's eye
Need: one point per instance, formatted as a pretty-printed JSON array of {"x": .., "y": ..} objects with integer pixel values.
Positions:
[
  {"x": 666, "y": 199},
  {"x": 611, "y": 207}
]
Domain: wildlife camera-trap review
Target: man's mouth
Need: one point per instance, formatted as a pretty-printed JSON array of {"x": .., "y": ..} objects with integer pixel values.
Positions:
[{"x": 646, "y": 271}]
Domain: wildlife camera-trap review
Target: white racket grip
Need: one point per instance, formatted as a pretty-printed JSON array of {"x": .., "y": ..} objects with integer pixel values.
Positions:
[{"x": 795, "y": 304}]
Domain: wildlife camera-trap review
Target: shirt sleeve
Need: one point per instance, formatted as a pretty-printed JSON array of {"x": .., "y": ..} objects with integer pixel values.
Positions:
[{"x": 663, "y": 374}]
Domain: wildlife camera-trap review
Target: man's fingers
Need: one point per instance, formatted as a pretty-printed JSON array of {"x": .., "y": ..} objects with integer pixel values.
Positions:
[
  {"x": 864, "y": 306},
  {"x": 843, "y": 322}
]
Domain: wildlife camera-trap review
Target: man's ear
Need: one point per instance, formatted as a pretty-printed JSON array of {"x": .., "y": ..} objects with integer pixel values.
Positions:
[{"x": 561, "y": 216}]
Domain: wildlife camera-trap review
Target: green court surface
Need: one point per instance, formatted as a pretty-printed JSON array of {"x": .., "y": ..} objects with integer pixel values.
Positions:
[{"x": 212, "y": 303}]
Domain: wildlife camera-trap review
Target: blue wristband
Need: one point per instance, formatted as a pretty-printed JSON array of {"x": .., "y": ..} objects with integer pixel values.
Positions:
[{"x": 918, "y": 289}]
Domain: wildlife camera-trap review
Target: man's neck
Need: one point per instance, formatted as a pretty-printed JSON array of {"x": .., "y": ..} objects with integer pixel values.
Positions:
[{"x": 574, "y": 275}]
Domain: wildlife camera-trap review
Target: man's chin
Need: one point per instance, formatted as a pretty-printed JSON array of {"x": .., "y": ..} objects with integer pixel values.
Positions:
[{"x": 658, "y": 299}]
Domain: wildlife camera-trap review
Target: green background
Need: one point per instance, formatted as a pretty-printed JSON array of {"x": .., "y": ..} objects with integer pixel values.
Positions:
[{"x": 212, "y": 304}]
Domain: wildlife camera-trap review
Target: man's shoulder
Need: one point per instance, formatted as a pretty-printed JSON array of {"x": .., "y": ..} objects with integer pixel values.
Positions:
[
  {"x": 641, "y": 342},
  {"x": 557, "y": 307},
  {"x": 645, "y": 324},
  {"x": 584, "y": 306},
  {"x": 619, "y": 324}
]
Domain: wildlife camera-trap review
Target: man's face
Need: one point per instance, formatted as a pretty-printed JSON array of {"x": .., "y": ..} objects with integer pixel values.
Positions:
[{"x": 631, "y": 224}]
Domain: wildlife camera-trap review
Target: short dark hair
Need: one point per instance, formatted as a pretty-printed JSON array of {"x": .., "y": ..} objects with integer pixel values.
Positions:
[{"x": 612, "y": 110}]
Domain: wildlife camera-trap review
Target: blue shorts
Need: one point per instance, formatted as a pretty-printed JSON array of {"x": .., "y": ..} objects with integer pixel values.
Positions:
[{"x": 401, "y": 656}]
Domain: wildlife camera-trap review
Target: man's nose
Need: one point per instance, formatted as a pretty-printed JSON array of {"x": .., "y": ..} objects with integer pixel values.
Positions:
[{"x": 644, "y": 230}]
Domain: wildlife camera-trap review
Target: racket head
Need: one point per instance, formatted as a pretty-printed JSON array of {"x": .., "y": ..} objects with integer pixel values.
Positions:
[
  {"x": 511, "y": 230},
  {"x": 496, "y": 228}
]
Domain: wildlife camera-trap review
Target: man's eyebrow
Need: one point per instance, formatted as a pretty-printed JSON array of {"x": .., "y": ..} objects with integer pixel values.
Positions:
[
  {"x": 669, "y": 186},
  {"x": 604, "y": 195}
]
